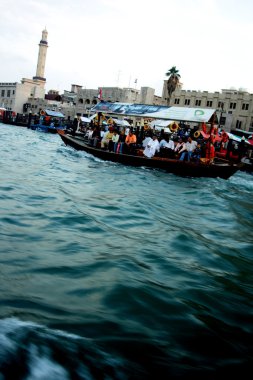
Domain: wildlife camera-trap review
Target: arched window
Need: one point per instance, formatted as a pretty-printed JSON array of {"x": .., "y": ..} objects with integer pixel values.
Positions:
[
  {"x": 80, "y": 100},
  {"x": 94, "y": 101},
  {"x": 87, "y": 101}
]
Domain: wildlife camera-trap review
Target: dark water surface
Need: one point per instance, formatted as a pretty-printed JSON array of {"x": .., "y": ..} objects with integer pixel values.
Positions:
[{"x": 113, "y": 272}]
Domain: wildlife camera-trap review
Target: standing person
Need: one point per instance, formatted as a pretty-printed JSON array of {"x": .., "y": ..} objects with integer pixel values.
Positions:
[
  {"x": 229, "y": 148},
  {"x": 96, "y": 136},
  {"x": 241, "y": 149},
  {"x": 210, "y": 150},
  {"x": 74, "y": 127}
]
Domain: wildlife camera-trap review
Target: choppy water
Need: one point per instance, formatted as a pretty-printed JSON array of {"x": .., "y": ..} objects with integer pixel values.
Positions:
[{"x": 113, "y": 272}]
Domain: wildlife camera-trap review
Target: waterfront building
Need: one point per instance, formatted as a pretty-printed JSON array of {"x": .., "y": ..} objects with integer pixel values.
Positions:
[
  {"x": 79, "y": 101},
  {"x": 234, "y": 107}
]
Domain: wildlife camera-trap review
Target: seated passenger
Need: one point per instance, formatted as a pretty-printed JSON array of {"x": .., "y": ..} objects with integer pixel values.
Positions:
[
  {"x": 179, "y": 146},
  {"x": 106, "y": 139},
  {"x": 113, "y": 141},
  {"x": 146, "y": 141},
  {"x": 190, "y": 146},
  {"x": 152, "y": 147},
  {"x": 130, "y": 142},
  {"x": 118, "y": 147},
  {"x": 167, "y": 147},
  {"x": 196, "y": 155}
]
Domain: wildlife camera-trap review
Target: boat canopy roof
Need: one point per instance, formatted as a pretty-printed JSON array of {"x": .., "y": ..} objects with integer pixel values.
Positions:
[
  {"x": 123, "y": 123},
  {"x": 155, "y": 111},
  {"x": 54, "y": 113},
  {"x": 85, "y": 119},
  {"x": 161, "y": 123}
]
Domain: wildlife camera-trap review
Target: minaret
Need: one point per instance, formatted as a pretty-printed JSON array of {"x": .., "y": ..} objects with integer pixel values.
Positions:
[{"x": 42, "y": 58}]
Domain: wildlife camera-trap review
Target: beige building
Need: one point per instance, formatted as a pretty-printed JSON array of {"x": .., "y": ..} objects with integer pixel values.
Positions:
[
  {"x": 234, "y": 107},
  {"x": 79, "y": 101},
  {"x": 13, "y": 96}
]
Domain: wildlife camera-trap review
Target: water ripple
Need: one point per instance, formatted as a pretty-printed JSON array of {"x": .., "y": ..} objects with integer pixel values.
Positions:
[{"x": 119, "y": 272}]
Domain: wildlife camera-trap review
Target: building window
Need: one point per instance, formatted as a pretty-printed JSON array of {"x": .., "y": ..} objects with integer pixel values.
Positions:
[
  {"x": 2, "y": 92},
  {"x": 177, "y": 100},
  {"x": 13, "y": 92},
  {"x": 238, "y": 124},
  {"x": 232, "y": 106},
  {"x": 209, "y": 103},
  {"x": 187, "y": 102},
  {"x": 245, "y": 106},
  {"x": 197, "y": 102},
  {"x": 220, "y": 105},
  {"x": 81, "y": 101},
  {"x": 8, "y": 93}
]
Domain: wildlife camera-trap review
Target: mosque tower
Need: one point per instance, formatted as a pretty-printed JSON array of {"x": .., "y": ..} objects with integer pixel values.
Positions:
[{"x": 42, "y": 58}]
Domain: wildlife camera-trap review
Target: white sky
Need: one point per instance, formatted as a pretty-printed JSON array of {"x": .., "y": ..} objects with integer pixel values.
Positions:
[{"x": 97, "y": 43}]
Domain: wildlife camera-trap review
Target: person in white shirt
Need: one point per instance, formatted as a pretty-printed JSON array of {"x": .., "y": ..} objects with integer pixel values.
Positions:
[
  {"x": 146, "y": 141},
  {"x": 179, "y": 146},
  {"x": 152, "y": 147},
  {"x": 167, "y": 147},
  {"x": 190, "y": 146}
]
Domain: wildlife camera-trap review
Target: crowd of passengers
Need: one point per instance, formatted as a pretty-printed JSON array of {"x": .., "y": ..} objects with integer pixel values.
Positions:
[{"x": 180, "y": 144}]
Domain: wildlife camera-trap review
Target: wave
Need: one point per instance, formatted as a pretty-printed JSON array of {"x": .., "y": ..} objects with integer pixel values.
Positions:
[{"x": 30, "y": 351}]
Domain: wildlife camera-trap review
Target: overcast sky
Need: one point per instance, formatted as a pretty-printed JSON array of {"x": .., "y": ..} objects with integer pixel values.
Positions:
[{"x": 97, "y": 43}]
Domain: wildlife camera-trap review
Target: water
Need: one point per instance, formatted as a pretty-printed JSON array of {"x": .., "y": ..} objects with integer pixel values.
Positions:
[{"x": 113, "y": 272}]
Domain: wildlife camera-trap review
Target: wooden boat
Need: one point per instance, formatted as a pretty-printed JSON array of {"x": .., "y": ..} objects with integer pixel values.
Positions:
[{"x": 219, "y": 168}]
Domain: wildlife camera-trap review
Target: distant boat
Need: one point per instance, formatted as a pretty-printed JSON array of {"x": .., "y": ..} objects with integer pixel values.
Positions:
[
  {"x": 219, "y": 168},
  {"x": 48, "y": 121}
]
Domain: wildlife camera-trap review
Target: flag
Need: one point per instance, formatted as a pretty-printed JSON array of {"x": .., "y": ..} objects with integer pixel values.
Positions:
[{"x": 100, "y": 94}]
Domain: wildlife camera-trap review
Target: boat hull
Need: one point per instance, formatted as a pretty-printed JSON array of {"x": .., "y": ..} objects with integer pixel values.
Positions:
[{"x": 182, "y": 168}]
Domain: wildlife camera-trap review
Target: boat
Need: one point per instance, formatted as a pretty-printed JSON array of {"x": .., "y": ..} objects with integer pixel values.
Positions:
[
  {"x": 48, "y": 121},
  {"x": 218, "y": 168}
]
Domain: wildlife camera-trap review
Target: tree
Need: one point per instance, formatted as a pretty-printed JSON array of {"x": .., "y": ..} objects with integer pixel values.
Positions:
[{"x": 172, "y": 82}]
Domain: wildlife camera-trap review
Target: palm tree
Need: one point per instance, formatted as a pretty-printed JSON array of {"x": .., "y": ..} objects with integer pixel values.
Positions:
[{"x": 172, "y": 82}]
